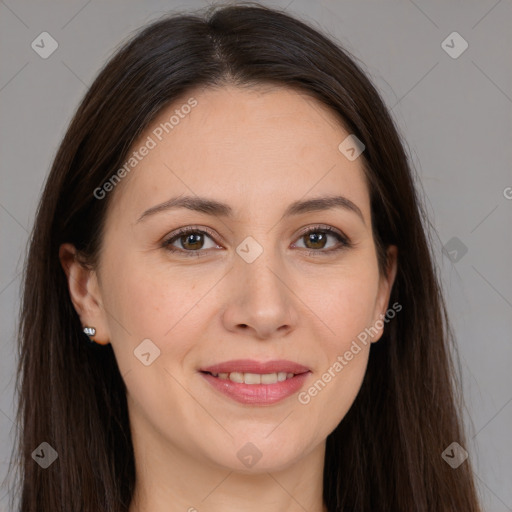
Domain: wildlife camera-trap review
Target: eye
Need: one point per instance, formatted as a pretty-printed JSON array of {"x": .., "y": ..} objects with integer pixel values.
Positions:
[
  {"x": 191, "y": 240},
  {"x": 316, "y": 238}
]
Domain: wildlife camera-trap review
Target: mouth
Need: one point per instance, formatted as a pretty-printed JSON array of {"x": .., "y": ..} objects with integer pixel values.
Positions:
[
  {"x": 256, "y": 383},
  {"x": 254, "y": 378}
]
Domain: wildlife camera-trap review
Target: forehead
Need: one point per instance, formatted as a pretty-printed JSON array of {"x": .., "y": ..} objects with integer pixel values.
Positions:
[{"x": 245, "y": 146}]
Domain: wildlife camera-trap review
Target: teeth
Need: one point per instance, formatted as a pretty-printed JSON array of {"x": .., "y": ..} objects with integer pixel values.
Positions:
[
  {"x": 236, "y": 377},
  {"x": 269, "y": 378},
  {"x": 254, "y": 378}
]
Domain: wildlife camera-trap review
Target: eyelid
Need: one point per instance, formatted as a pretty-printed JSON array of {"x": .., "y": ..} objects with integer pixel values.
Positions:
[{"x": 322, "y": 227}]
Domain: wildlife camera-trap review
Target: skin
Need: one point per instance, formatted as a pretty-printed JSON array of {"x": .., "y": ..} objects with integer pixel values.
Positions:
[{"x": 258, "y": 150}]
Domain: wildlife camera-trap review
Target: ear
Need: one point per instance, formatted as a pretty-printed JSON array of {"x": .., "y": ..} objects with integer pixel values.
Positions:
[
  {"x": 385, "y": 285},
  {"x": 84, "y": 292}
]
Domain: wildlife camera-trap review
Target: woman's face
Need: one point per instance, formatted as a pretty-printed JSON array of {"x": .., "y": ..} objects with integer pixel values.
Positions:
[{"x": 247, "y": 289}]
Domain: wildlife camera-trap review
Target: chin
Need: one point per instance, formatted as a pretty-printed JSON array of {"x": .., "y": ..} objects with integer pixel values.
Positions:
[{"x": 261, "y": 455}]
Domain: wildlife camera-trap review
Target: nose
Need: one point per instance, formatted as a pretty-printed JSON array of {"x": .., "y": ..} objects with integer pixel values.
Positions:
[{"x": 262, "y": 302}]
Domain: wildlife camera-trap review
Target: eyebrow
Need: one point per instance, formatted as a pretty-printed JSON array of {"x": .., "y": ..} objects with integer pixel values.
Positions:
[{"x": 218, "y": 209}]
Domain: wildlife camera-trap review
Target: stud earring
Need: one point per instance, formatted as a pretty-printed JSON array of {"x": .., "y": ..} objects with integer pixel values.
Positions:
[{"x": 90, "y": 331}]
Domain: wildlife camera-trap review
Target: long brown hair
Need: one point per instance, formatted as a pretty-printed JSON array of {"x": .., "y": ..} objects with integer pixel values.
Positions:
[{"x": 385, "y": 455}]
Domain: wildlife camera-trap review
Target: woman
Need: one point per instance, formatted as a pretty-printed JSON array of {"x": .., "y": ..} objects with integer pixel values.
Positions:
[{"x": 230, "y": 302}]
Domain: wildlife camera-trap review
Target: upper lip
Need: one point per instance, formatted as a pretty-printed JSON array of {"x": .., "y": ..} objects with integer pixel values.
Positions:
[{"x": 252, "y": 366}]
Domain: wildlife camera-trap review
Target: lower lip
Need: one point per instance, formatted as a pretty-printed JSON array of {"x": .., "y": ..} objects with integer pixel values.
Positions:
[{"x": 257, "y": 394}]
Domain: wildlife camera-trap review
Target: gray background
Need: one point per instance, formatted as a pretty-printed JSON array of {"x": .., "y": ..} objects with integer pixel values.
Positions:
[{"x": 455, "y": 114}]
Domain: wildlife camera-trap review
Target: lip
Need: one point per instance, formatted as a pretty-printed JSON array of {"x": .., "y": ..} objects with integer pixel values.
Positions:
[{"x": 257, "y": 394}]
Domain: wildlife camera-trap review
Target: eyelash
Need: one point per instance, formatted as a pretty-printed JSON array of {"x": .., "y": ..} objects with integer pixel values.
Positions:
[{"x": 343, "y": 240}]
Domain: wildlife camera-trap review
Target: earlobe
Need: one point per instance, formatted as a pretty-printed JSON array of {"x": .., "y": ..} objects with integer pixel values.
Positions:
[{"x": 84, "y": 292}]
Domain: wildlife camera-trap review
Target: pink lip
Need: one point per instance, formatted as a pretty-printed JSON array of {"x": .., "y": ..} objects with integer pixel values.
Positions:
[{"x": 257, "y": 394}]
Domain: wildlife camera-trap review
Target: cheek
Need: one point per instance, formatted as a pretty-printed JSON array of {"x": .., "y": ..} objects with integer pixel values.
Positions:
[
  {"x": 149, "y": 296},
  {"x": 153, "y": 314},
  {"x": 345, "y": 356},
  {"x": 345, "y": 304},
  {"x": 142, "y": 305}
]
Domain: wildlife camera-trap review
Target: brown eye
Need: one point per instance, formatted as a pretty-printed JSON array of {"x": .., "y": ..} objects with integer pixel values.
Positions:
[
  {"x": 316, "y": 240},
  {"x": 189, "y": 241},
  {"x": 192, "y": 241}
]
